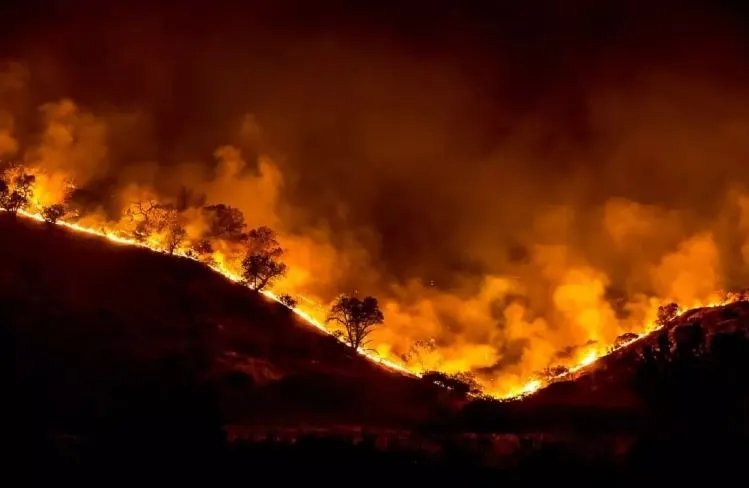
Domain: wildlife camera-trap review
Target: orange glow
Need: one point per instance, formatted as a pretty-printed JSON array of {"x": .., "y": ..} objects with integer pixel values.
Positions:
[
  {"x": 585, "y": 316},
  {"x": 153, "y": 245},
  {"x": 527, "y": 388}
]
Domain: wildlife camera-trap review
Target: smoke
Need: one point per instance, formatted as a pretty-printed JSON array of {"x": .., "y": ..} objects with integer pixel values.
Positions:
[
  {"x": 518, "y": 198},
  {"x": 12, "y": 82},
  {"x": 73, "y": 143},
  {"x": 8, "y": 144}
]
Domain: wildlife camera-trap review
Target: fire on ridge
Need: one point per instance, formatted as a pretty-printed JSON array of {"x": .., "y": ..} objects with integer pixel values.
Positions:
[
  {"x": 226, "y": 273},
  {"x": 526, "y": 389}
]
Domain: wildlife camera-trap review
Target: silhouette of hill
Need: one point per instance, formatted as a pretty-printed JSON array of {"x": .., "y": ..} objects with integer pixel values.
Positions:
[
  {"x": 697, "y": 360},
  {"x": 97, "y": 331},
  {"x": 608, "y": 381},
  {"x": 115, "y": 357}
]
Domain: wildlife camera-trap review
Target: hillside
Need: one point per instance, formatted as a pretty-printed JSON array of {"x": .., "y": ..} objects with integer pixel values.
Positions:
[
  {"x": 114, "y": 356},
  {"x": 90, "y": 326},
  {"x": 608, "y": 381}
]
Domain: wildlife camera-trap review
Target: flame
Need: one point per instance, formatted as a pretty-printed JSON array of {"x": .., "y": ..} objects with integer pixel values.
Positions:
[
  {"x": 153, "y": 245},
  {"x": 586, "y": 358},
  {"x": 596, "y": 354}
]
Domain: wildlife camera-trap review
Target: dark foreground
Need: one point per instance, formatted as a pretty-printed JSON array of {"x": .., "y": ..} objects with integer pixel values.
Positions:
[
  {"x": 204, "y": 458},
  {"x": 166, "y": 423}
]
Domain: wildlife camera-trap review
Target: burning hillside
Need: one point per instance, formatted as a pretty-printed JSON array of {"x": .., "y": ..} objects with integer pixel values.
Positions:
[
  {"x": 516, "y": 205},
  {"x": 508, "y": 347},
  {"x": 85, "y": 320},
  {"x": 609, "y": 380},
  {"x": 162, "y": 227}
]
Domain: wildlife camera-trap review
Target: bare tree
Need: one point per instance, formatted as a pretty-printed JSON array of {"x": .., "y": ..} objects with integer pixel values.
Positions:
[
  {"x": 13, "y": 199},
  {"x": 53, "y": 213},
  {"x": 262, "y": 265},
  {"x": 144, "y": 213},
  {"x": 358, "y": 317},
  {"x": 152, "y": 217},
  {"x": 175, "y": 234}
]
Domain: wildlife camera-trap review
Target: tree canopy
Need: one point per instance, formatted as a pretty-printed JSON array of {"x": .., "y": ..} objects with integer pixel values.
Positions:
[
  {"x": 358, "y": 317},
  {"x": 262, "y": 264}
]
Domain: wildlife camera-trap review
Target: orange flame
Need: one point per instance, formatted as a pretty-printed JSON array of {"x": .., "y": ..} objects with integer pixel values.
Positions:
[
  {"x": 586, "y": 357},
  {"x": 153, "y": 245}
]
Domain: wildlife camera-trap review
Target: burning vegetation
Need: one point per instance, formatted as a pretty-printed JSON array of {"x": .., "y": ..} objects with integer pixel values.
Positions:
[
  {"x": 512, "y": 227},
  {"x": 220, "y": 239}
]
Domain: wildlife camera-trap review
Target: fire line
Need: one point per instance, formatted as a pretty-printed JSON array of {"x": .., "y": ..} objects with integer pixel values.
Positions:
[{"x": 527, "y": 389}]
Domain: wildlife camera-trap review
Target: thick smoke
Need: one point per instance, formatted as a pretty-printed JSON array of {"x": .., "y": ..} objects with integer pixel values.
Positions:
[{"x": 518, "y": 198}]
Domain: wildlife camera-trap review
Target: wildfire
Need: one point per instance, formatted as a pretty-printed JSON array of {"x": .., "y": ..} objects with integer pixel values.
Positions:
[
  {"x": 589, "y": 358},
  {"x": 594, "y": 355},
  {"x": 153, "y": 245}
]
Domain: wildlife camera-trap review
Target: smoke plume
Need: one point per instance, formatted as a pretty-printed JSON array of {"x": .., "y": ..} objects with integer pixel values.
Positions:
[{"x": 518, "y": 198}]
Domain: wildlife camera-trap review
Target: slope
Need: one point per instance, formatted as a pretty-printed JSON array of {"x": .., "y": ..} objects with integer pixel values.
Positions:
[
  {"x": 87, "y": 322},
  {"x": 608, "y": 381}
]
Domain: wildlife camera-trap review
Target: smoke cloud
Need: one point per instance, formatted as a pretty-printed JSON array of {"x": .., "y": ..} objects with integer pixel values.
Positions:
[{"x": 517, "y": 197}]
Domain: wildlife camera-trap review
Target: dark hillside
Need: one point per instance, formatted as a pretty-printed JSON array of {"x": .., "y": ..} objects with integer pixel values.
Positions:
[
  {"x": 695, "y": 366},
  {"x": 608, "y": 382},
  {"x": 96, "y": 331}
]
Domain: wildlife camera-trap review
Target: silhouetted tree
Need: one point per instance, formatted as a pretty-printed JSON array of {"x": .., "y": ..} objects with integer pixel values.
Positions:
[
  {"x": 358, "y": 317},
  {"x": 13, "y": 199},
  {"x": 53, "y": 213},
  {"x": 225, "y": 223},
  {"x": 288, "y": 300},
  {"x": 174, "y": 236},
  {"x": 666, "y": 313},
  {"x": 262, "y": 265},
  {"x": 625, "y": 338},
  {"x": 145, "y": 215},
  {"x": 152, "y": 217}
]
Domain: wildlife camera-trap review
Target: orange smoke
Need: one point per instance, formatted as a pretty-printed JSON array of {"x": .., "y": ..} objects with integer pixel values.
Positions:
[
  {"x": 553, "y": 312},
  {"x": 506, "y": 270}
]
